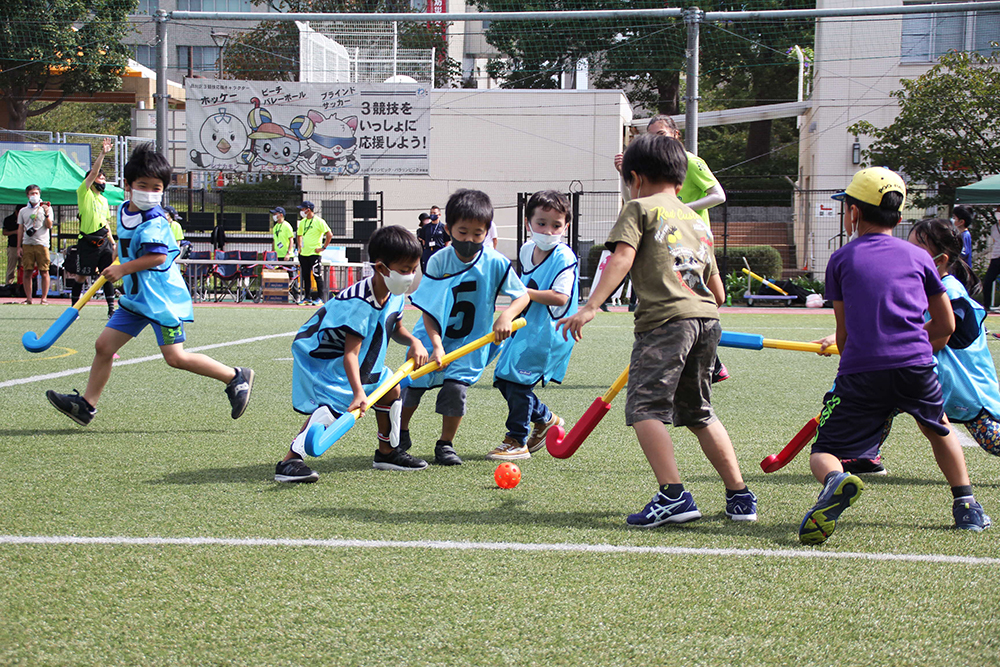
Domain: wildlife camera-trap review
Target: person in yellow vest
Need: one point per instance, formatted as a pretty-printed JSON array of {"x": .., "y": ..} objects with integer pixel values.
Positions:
[
  {"x": 283, "y": 243},
  {"x": 314, "y": 236},
  {"x": 96, "y": 247}
]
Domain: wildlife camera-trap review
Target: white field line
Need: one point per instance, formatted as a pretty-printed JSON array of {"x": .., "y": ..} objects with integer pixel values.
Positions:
[
  {"x": 139, "y": 360},
  {"x": 493, "y": 546}
]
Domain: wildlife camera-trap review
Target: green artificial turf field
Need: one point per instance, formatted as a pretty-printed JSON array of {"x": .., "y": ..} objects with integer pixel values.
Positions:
[{"x": 440, "y": 567}]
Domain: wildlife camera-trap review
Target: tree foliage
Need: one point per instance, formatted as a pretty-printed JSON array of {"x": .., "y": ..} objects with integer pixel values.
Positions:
[
  {"x": 67, "y": 45},
  {"x": 85, "y": 117},
  {"x": 947, "y": 133}
]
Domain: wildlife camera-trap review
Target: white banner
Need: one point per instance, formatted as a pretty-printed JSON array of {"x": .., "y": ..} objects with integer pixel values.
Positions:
[{"x": 307, "y": 128}]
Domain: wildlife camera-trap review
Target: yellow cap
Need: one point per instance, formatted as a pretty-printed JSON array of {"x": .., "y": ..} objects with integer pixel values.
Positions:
[{"x": 869, "y": 185}]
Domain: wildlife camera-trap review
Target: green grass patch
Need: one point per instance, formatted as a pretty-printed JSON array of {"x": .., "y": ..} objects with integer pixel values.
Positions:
[{"x": 163, "y": 459}]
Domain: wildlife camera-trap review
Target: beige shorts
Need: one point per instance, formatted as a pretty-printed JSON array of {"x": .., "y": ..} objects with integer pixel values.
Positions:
[{"x": 34, "y": 257}]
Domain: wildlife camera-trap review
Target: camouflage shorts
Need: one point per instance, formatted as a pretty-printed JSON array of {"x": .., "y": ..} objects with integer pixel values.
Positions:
[{"x": 670, "y": 373}]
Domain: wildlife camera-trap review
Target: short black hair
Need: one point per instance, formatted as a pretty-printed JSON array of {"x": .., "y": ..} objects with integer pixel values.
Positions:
[
  {"x": 32, "y": 187},
  {"x": 393, "y": 244},
  {"x": 550, "y": 199},
  {"x": 885, "y": 215},
  {"x": 659, "y": 158},
  {"x": 963, "y": 214},
  {"x": 473, "y": 205},
  {"x": 666, "y": 120},
  {"x": 145, "y": 162}
]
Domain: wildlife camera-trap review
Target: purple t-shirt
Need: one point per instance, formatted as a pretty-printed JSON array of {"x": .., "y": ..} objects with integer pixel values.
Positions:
[{"x": 884, "y": 283}]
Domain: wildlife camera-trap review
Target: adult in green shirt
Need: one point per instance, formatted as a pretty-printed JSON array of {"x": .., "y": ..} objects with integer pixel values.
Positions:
[
  {"x": 96, "y": 245},
  {"x": 314, "y": 236},
  {"x": 282, "y": 233}
]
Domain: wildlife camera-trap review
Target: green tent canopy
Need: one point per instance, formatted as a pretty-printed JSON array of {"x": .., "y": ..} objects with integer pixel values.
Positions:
[
  {"x": 986, "y": 191},
  {"x": 52, "y": 171}
]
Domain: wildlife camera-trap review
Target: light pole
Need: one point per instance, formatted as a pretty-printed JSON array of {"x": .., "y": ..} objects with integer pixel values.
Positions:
[{"x": 221, "y": 39}]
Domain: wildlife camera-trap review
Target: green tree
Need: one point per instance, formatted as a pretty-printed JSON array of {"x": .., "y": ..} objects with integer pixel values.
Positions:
[
  {"x": 85, "y": 117},
  {"x": 947, "y": 133},
  {"x": 65, "y": 45}
]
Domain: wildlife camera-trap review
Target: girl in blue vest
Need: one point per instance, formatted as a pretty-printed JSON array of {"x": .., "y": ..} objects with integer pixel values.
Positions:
[{"x": 537, "y": 352}]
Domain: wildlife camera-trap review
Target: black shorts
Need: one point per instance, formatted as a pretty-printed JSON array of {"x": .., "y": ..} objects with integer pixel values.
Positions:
[
  {"x": 854, "y": 411},
  {"x": 91, "y": 259}
]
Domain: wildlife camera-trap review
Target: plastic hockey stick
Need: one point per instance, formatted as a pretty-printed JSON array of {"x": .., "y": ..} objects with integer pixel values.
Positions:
[
  {"x": 563, "y": 445},
  {"x": 33, "y": 343},
  {"x": 776, "y": 462},
  {"x": 320, "y": 438},
  {"x": 748, "y": 341}
]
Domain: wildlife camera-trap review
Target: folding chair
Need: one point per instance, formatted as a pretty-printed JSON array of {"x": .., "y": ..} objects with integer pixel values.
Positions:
[
  {"x": 197, "y": 274},
  {"x": 226, "y": 276},
  {"x": 250, "y": 278}
]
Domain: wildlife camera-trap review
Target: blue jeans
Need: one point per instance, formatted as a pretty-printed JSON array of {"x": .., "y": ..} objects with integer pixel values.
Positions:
[{"x": 523, "y": 408}]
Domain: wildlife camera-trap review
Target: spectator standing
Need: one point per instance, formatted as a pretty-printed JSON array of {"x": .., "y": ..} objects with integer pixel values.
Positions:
[
  {"x": 961, "y": 217},
  {"x": 34, "y": 225},
  {"x": 432, "y": 234},
  {"x": 993, "y": 270},
  {"x": 314, "y": 236}
]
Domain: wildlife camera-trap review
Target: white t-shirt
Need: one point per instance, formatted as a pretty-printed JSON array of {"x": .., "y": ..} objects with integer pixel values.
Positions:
[
  {"x": 491, "y": 234},
  {"x": 995, "y": 237},
  {"x": 563, "y": 283},
  {"x": 34, "y": 219}
]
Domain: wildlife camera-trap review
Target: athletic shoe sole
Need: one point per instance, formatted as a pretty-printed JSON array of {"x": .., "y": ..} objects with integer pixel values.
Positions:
[
  {"x": 683, "y": 517},
  {"x": 508, "y": 457},
  {"x": 742, "y": 517},
  {"x": 309, "y": 479},
  {"x": 393, "y": 466},
  {"x": 820, "y": 522}
]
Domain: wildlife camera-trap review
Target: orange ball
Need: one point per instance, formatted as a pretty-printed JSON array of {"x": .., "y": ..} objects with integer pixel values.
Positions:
[{"x": 507, "y": 475}]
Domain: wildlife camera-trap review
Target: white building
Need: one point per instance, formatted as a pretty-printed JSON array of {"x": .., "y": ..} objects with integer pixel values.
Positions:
[{"x": 859, "y": 62}]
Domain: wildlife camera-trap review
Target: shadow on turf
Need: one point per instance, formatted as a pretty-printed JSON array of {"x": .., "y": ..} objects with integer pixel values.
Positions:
[
  {"x": 257, "y": 473},
  {"x": 808, "y": 480}
]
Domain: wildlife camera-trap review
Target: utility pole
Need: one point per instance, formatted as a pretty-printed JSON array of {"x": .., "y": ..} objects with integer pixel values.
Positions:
[
  {"x": 693, "y": 18},
  {"x": 161, "y": 97}
]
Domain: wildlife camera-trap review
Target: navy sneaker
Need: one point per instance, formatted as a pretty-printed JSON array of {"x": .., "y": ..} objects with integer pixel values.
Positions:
[
  {"x": 742, "y": 506},
  {"x": 294, "y": 471},
  {"x": 839, "y": 493},
  {"x": 661, "y": 510},
  {"x": 969, "y": 515},
  {"x": 238, "y": 390},
  {"x": 397, "y": 459},
  {"x": 75, "y": 407}
]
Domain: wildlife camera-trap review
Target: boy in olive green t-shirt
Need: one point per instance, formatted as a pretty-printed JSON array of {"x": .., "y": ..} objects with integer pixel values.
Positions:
[{"x": 668, "y": 249}]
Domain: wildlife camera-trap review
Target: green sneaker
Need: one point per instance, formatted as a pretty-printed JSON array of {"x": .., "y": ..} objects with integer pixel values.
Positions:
[{"x": 839, "y": 493}]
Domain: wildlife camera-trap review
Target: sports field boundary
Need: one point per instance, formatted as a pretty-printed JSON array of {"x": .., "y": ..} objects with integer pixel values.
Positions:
[{"x": 444, "y": 545}]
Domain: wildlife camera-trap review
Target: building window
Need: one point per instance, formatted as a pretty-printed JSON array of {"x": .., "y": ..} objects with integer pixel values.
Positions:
[
  {"x": 145, "y": 55},
  {"x": 149, "y": 7},
  {"x": 203, "y": 58},
  {"x": 215, "y": 5},
  {"x": 927, "y": 37}
]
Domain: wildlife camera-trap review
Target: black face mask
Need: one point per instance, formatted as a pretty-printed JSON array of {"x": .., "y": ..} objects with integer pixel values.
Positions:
[
  {"x": 467, "y": 248},
  {"x": 99, "y": 187},
  {"x": 433, "y": 217}
]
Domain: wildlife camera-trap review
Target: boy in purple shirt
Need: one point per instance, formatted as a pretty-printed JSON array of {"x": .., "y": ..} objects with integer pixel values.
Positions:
[{"x": 880, "y": 287}]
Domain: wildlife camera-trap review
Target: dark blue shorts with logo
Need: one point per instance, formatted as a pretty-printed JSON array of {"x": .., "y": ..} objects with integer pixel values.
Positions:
[{"x": 855, "y": 409}]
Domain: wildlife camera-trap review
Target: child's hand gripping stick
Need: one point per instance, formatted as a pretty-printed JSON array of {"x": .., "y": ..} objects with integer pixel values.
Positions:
[
  {"x": 319, "y": 439},
  {"x": 34, "y": 343},
  {"x": 563, "y": 445}
]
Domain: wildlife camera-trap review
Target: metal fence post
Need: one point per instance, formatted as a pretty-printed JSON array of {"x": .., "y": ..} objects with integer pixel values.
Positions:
[
  {"x": 161, "y": 96},
  {"x": 693, "y": 17}
]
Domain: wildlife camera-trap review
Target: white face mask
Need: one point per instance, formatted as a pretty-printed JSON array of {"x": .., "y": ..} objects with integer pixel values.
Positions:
[
  {"x": 274, "y": 217},
  {"x": 545, "y": 242},
  {"x": 34, "y": 199},
  {"x": 146, "y": 200},
  {"x": 398, "y": 283}
]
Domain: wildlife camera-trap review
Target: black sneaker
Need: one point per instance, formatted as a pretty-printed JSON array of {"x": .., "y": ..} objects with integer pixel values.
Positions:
[
  {"x": 294, "y": 471},
  {"x": 444, "y": 454},
  {"x": 397, "y": 459},
  {"x": 75, "y": 407},
  {"x": 864, "y": 466},
  {"x": 238, "y": 391},
  {"x": 404, "y": 441}
]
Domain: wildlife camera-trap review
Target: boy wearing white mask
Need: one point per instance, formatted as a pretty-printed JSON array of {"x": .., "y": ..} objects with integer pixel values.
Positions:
[
  {"x": 339, "y": 355},
  {"x": 154, "y": 294},
  {"x": 537, "y": 352}
]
